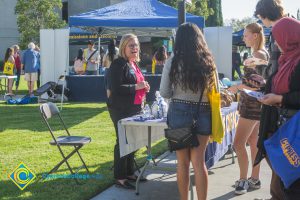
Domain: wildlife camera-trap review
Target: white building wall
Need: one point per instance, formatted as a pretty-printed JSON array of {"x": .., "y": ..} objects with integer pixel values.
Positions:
[
  {"x": 219, "y": 40},
  {"x": 9, "y": 34},
  {"x": 54, "y": 54}
]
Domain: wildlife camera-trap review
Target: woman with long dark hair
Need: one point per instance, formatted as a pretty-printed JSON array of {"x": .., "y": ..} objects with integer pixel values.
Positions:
[
  {"x": 159, "y": 59},
  {"x": 108, "y": 58},
  {"x": 78, "y": 63},
  {"x": 111, "y": 54},
  {"x": 186, "y": 76},
  {"x": 80, "y": 54}
]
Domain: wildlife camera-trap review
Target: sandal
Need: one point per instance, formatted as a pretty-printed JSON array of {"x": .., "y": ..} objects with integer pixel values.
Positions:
[
  {"x": 125, "y": 185},
  {"x": 143, "y": 179}
]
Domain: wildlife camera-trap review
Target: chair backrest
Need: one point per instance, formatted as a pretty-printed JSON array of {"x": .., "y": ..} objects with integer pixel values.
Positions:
[
  {"x": 49, "y": 110},
  {"x": 45, "y": 88}
]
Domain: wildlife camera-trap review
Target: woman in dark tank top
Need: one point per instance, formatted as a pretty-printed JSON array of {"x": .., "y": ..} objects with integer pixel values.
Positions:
[{"x": 250, "y": 109}]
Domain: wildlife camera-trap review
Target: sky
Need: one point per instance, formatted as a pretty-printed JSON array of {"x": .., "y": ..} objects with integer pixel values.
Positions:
[{"x": 245, "y": 8}]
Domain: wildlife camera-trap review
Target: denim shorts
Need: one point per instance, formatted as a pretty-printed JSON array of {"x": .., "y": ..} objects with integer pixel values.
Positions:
[{"x": 181, "y": 114}]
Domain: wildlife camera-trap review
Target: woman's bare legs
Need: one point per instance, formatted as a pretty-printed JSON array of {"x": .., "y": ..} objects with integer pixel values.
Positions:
[
  {"x": 10, "y": 84},
  {"x": 183, "y": 172},
  {"x": 200, "y": 170},
  {"x": 244, "y": 129},
  {"x": 252, "y": 141}
]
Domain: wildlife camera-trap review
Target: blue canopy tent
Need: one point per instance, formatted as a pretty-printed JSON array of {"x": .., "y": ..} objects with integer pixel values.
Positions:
[{"x": 143, "y": 17}]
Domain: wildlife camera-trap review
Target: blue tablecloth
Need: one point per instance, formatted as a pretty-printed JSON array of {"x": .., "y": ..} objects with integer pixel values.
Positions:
[
  {"x": 133, "y": 134},
  {"x": 215, "y": 151},
  {"x": 90, "y": 88}
]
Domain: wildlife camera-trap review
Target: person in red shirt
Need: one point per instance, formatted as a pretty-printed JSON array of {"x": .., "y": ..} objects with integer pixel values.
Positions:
[{"x": 17, "y": 64}]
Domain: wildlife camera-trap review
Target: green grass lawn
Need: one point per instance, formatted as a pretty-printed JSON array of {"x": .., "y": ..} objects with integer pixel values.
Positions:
[{"x": 25, "y": 138}]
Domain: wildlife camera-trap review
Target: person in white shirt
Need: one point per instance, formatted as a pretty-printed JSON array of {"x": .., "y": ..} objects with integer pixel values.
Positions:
[{"x": 92, "y": 58}]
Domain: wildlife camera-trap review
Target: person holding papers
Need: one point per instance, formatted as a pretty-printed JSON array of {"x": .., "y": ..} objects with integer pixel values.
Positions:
[
  {"x": 250, "y": 108},
  {"x": 282, "y": 95}
]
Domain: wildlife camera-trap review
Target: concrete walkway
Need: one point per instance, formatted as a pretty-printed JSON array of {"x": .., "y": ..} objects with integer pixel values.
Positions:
[{"x": 162, "y": 183}]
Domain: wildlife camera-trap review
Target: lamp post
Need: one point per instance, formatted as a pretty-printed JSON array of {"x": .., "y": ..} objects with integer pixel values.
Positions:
[{"x": 181, "y": 12}]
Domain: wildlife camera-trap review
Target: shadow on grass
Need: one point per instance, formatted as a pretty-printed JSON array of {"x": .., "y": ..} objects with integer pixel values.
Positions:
[{"x": 28, "y": 117}]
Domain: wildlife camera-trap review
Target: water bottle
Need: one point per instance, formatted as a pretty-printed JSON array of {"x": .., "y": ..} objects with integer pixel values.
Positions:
[
  {"x": 157, "y": 95},
  {"x": 146, "y": 111},
  {"x": 155, "y": 109},
  {"x": 162, "y": 106}
]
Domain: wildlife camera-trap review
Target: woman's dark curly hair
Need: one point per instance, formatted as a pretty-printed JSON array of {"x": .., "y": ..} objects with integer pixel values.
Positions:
[
  {"x": 80, "y": 54},
  {"x": 112, "y": 49},
  {"x": 161, "y": 54},
  {"x": 192, "y": 65}
]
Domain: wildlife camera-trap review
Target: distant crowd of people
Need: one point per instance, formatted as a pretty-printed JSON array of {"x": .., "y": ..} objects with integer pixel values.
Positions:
[
  {"x": 17, "y": 63},
  {"x": 90, "y": 62}
]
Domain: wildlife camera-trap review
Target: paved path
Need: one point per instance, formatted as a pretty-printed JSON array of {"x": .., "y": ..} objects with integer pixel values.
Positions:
[{"x": 162, "y": 183}]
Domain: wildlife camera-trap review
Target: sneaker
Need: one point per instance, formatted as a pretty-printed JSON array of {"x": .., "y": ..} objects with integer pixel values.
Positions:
[
  {"x": 241, "y": 186},
  {"x": 254, "y": 183}
]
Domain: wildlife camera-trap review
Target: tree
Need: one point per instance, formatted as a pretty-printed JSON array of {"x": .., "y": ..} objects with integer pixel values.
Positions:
[
  {"x": 33, "y": 15},
  {"x": 240, "y": 24},
  {"x": 298, "y": 14},
  {"x": 217, "y": 18},
  {"x": 198, "y": 7}
]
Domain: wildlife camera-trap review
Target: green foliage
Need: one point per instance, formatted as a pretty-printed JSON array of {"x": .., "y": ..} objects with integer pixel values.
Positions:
[
  {"x": 33, "y": 15},
  {"x": 216, "y": 19},
  {"x": 240, "y": 24},
  {"x": 173, "y": 3},
  {"x": 198, "y": 7}
]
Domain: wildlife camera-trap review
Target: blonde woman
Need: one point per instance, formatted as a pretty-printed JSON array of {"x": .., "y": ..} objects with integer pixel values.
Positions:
[
  {"x": 127, "y": 92},
  {"x": 250, "y": 109}
]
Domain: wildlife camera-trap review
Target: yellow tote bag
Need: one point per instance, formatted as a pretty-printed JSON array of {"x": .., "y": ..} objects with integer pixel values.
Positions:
[
  {"x": 153, "y": 65},
  {"x": 8, "y": 68},
  {"x": 84, "y": 65},
  {"x": 217, "y": 126}
]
